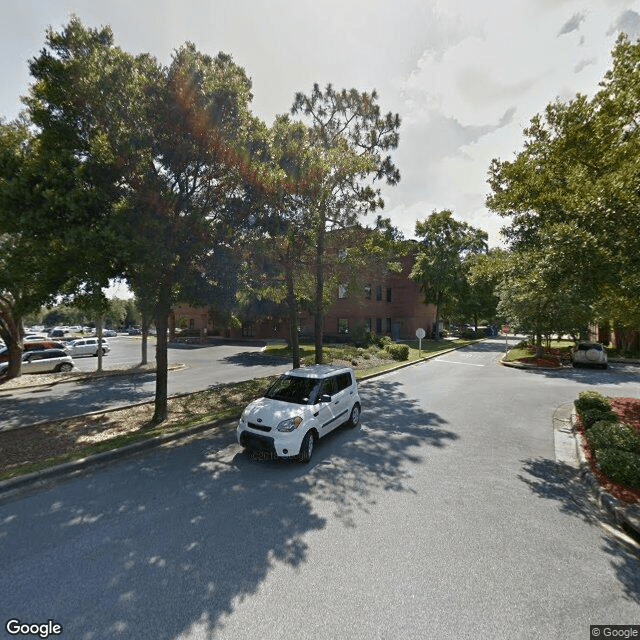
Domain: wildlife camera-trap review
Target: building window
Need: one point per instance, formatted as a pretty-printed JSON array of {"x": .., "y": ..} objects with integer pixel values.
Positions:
[
  {"x": 367, "y": 292},
  {"x": 247, "y": 330},
  {"x": 369, "y": 325},
  {"x": 388, "y": 325},
  {"x": 342, "y": 291},
  {"x": 343, "y": 326},
  {"x": 378, "y": 325},
  {"x": 388, "y": 294},
  {"x": 192, "y": 323},
  {"x": 379, "y": 292}
]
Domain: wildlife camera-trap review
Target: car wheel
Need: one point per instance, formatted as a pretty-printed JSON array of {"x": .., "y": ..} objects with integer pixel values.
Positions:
[
  {"x": 306, "y": 448},
  {"x": 65, "y": 366},
  {"x": 354, "y": 418}
]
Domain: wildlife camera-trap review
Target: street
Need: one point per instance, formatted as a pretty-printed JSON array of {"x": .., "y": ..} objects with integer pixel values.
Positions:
[{"x": 444, "y": 515}]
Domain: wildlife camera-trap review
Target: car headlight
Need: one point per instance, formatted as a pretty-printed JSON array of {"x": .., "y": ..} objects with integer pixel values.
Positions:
[{"x": 290, "y": 424}]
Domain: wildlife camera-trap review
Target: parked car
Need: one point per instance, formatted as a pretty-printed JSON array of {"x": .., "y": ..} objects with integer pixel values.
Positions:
[
  {"x": 58, "y": 333},
  {"x": 36, "y": 345},
  {"x": 87, "y": 347},
  {"x": 589, "y": 353},
  {"x": 301, "y": 406},
  {"x": 43, "y": 361},
  {"x": 109, "y": 333},
  {"x": 134, "y": 331}
]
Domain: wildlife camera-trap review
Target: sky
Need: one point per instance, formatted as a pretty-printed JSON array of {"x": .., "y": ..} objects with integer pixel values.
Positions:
[{"x": 465, "y": 76}]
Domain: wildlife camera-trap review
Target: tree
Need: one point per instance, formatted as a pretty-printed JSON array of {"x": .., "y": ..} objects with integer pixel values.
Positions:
[
  {"x": 352, "y": 139},
  {"x": 578, "y": 167},
  {"x": 34, "y": 262},
  {"x": 187, "y": 185},
  {"x": 438, "y": 268}
]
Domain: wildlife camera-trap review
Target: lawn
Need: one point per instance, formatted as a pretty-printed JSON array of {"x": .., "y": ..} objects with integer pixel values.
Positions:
[{"x": 557, "y": 354}]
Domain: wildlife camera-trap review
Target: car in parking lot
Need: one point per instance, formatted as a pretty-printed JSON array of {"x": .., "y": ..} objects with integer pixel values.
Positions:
[
  {"x": 589, "y": 353},
  {"x": 43, "y": 361},
  {"x": 86, "y": 347},
  {"x": 34, "y": 345},
  {"x": 301, "y": 406}
]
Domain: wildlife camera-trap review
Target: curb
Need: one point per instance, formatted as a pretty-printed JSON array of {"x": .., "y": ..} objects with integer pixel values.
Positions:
[
  {"x": 625, "y": 515},
  {"x": 106, "y": 456},
  {"x": 150, "y": 443}
]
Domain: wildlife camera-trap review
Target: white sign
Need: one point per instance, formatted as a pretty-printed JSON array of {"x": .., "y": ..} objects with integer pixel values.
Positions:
[{"x": 420, "y": 333}]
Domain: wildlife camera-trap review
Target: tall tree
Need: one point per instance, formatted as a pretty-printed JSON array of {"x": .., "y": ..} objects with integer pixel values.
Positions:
[
  {"x": 353, "y": 139},
  {"x": 438, "y": 268},
  {"x": 579, "y": 167},
  {"x": 35, "y": 262},
  {"x": 188, "y": 184}
]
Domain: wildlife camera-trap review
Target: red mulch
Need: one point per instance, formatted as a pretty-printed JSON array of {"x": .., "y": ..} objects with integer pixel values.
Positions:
[{"x": 628, "y": 409}]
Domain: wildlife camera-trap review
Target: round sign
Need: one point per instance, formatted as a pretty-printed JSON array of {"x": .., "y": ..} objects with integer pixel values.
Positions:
[{"x": 420, "y": 333}]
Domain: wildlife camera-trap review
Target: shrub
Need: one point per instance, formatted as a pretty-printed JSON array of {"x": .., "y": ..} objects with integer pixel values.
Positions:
[
  {"x": 620, "y": 466},
  {"x": 605, "y": 435},
  {"x": 592, "y": 400},
  {"x": 589, "y": 417},
  {"x": 398, "y": 351}
]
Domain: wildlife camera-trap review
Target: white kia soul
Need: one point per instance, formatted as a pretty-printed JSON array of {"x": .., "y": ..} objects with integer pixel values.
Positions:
[{"x": 299, "y": 408}]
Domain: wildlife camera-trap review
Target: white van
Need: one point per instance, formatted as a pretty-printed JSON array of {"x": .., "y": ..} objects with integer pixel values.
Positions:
[{"x": 300, "y": 407}]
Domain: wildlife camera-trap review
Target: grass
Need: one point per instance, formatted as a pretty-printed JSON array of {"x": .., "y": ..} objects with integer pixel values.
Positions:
[{"x": 558, "y": 351}]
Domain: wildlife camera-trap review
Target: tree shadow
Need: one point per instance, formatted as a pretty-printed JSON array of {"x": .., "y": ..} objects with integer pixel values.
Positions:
[
  {"x": 615, "y": 374},
  {"x": 559, "y": 482},
  {"x": 171, "y": 542},
  {"x": 82, "y": 396},
  {"x": 255, "y": 359}
]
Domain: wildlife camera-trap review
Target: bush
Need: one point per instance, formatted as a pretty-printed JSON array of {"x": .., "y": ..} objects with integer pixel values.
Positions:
[
  {"x": 591, "y": 416},
  {"x": 605, "y": 435},
  {"x": 398, "y": 351},
  {"x": 620, "y": 466},
  {"x": 592, "y": 400}
]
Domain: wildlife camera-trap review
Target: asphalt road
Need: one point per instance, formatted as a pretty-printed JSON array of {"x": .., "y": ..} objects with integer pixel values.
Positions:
[
  {"x": 444, "y": 515},
  {"x": 206, "y": 366}
]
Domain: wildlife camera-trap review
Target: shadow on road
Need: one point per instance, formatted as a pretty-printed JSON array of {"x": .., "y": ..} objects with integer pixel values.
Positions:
[
  {"x": 171, "y": 543},
  {"x": 552, "y": 480},
  {"x": 82, "y": 396},
  {"x": 255, "y": 359}
]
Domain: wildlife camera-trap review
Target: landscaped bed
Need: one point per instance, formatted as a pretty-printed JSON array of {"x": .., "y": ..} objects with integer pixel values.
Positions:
[{"x": 626, "y": 411}]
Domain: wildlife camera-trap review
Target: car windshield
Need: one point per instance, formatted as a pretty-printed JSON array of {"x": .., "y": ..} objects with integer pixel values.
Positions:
[{"x": 294, "y": 389}]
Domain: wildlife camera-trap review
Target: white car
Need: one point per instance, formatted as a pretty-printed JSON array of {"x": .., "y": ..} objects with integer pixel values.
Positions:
[
  {"x": 46, "y": 360},
  {"x": 300, "y": 407},
  {"x": 589, "y": 353},
  {"x": 87, "y": 347}
]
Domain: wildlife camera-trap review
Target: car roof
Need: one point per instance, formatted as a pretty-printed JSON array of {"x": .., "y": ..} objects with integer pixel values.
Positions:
[{"x": 318, "y": 371}]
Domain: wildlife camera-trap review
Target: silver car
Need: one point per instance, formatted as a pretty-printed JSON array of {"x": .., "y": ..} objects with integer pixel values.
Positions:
[
  {"x": 589, "y": 353},
  {"x": 43, "y": 361},
  {"x": 86, "y": 347}
]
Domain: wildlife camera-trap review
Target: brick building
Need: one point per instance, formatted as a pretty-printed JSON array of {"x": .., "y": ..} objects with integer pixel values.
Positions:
[{"x": 384, "y": 302}]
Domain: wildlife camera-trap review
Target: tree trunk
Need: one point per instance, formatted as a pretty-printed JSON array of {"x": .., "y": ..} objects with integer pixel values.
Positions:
[
  {"x": 145, "y": 335},
  {"x": 293, "y": 319},
  {"x": 14, "y": 345},
  {"x": 99, "y": 334},
  {"x": 319, "y": 301},
  {"x": 162, "y": 322}
]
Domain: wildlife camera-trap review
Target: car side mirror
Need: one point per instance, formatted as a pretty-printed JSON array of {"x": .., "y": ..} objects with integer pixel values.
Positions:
[{"x": 325, "y": 397}]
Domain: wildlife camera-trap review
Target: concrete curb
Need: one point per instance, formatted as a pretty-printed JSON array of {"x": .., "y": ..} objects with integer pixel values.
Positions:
[
  {"x": 625, "y": 515},
  {"x": 78, "y": 465},
  {"x": 106, "y": 456}
]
